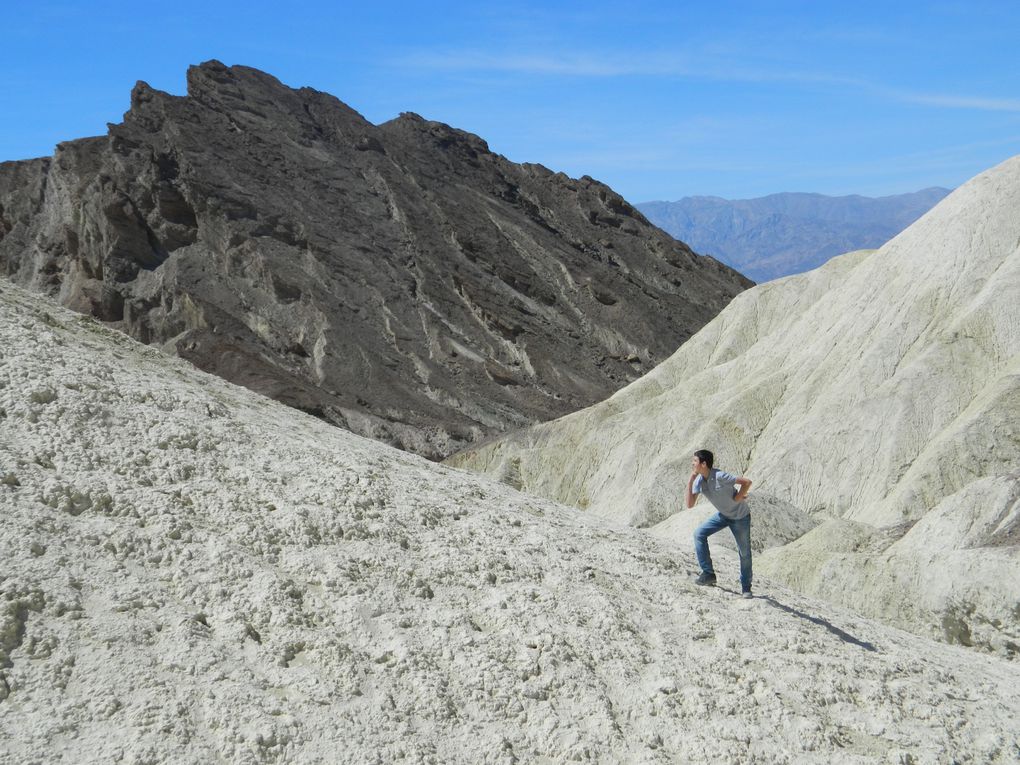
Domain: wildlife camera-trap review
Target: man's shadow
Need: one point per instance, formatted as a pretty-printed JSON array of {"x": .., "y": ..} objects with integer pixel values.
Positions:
[{"x": 846, "y": 637}]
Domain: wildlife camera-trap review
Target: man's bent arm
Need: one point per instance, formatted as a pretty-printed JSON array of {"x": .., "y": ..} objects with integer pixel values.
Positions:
[
  {"x": 745, "y": 485},
  {"x": 691, "y": 496}
]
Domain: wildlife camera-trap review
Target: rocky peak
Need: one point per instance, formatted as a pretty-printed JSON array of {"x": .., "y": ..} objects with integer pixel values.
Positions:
[
  {"x": 415, "y": 127},
  {"x": 214, "y": 83}
]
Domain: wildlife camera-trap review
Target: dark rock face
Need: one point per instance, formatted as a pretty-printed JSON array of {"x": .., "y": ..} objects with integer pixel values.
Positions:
[
  {"x": 782, "y": 234},
  {"x": 399, "y": 280}
]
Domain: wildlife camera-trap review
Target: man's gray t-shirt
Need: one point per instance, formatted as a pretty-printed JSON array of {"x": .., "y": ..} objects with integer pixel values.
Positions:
[{"x": 720, "y": 487}]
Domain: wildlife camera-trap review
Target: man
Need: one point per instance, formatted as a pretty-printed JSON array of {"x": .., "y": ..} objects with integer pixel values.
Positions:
[{"x": 727, "y": 493}]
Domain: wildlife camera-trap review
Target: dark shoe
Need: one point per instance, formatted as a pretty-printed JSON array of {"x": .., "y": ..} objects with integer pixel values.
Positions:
[{"x": 705, "y": 579}]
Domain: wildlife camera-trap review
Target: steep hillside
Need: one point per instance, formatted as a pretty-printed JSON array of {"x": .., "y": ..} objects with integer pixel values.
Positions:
[
  {"x": 194, "y": 573},
  {"x": 399, "y": 280},
  {"x": 876, "y": 399},
  {"x": 784, "y": 234}
]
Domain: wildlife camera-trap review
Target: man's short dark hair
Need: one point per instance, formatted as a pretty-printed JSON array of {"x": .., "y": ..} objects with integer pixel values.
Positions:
[{"x": 704, "y": 455}]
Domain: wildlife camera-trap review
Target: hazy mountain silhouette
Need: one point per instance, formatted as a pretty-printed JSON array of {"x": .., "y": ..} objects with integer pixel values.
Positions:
[{"x": 784, "y": 234}]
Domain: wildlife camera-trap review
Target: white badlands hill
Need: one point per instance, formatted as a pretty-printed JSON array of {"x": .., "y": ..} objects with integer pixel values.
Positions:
[
  {"x": 194, "y": 574},
  {"x": 875, "y": 401}
]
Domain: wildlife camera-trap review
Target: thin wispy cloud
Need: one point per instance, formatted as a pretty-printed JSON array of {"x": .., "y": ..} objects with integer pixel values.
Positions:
[
  {"x": 600, "y": 65},
  {"x": 692, "y": 67},
  {"x": 964, "y": 102},
  {"x": 574, "y": 65}
]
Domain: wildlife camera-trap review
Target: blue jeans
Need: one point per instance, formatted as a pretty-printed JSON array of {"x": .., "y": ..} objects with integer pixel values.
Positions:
[{"x": 741, "y": 532}]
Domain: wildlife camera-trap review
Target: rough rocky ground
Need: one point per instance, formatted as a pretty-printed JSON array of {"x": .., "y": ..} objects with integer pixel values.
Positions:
[
  {"x": 876, "y": 399},
  {"x": 399, "y": 280},
  {"x": 785, "y": 234},
  {"x": 193, "y": 573}
]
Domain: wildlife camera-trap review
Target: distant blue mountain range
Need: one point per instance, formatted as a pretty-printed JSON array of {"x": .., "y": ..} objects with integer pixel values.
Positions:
[{"x": 783, "y": 234}]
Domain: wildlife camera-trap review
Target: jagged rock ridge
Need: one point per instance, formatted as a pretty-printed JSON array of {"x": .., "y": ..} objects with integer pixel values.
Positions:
[
  {"x": 874, "y": 402},
  {"x": 400, "y": 280},
  {"x": 784, "y": 234}
]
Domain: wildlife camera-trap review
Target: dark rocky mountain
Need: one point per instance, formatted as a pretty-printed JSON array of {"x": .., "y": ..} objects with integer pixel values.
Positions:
[
  {"x": 399, "y": 280},
  {"x": 783, "y": 234}
]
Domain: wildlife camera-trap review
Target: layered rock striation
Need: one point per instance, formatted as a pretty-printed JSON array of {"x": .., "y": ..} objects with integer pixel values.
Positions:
[
  {"x": 400, "y": 280},
  {"x": 875, "y": 402}
]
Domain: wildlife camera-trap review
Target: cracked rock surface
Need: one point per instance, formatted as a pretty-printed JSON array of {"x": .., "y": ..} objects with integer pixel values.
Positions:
[
  {"x": 400, "y": 280},
  {"x": 193, "y": 573}
]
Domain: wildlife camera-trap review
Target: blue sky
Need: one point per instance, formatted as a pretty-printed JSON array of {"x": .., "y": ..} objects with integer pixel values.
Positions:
[{"x": 658, "y": 99}]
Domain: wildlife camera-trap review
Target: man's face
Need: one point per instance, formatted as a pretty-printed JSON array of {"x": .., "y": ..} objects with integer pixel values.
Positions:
[{"x": 697, "y": 465}]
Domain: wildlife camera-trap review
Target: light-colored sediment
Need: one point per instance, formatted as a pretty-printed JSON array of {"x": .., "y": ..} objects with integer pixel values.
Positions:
[{"x": 194, "y": 574}]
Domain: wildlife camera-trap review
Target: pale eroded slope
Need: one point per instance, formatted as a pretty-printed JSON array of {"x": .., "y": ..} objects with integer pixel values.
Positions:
[
  {"x": 194, "y": 574},
  {"x": 879, "y": 391}
]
